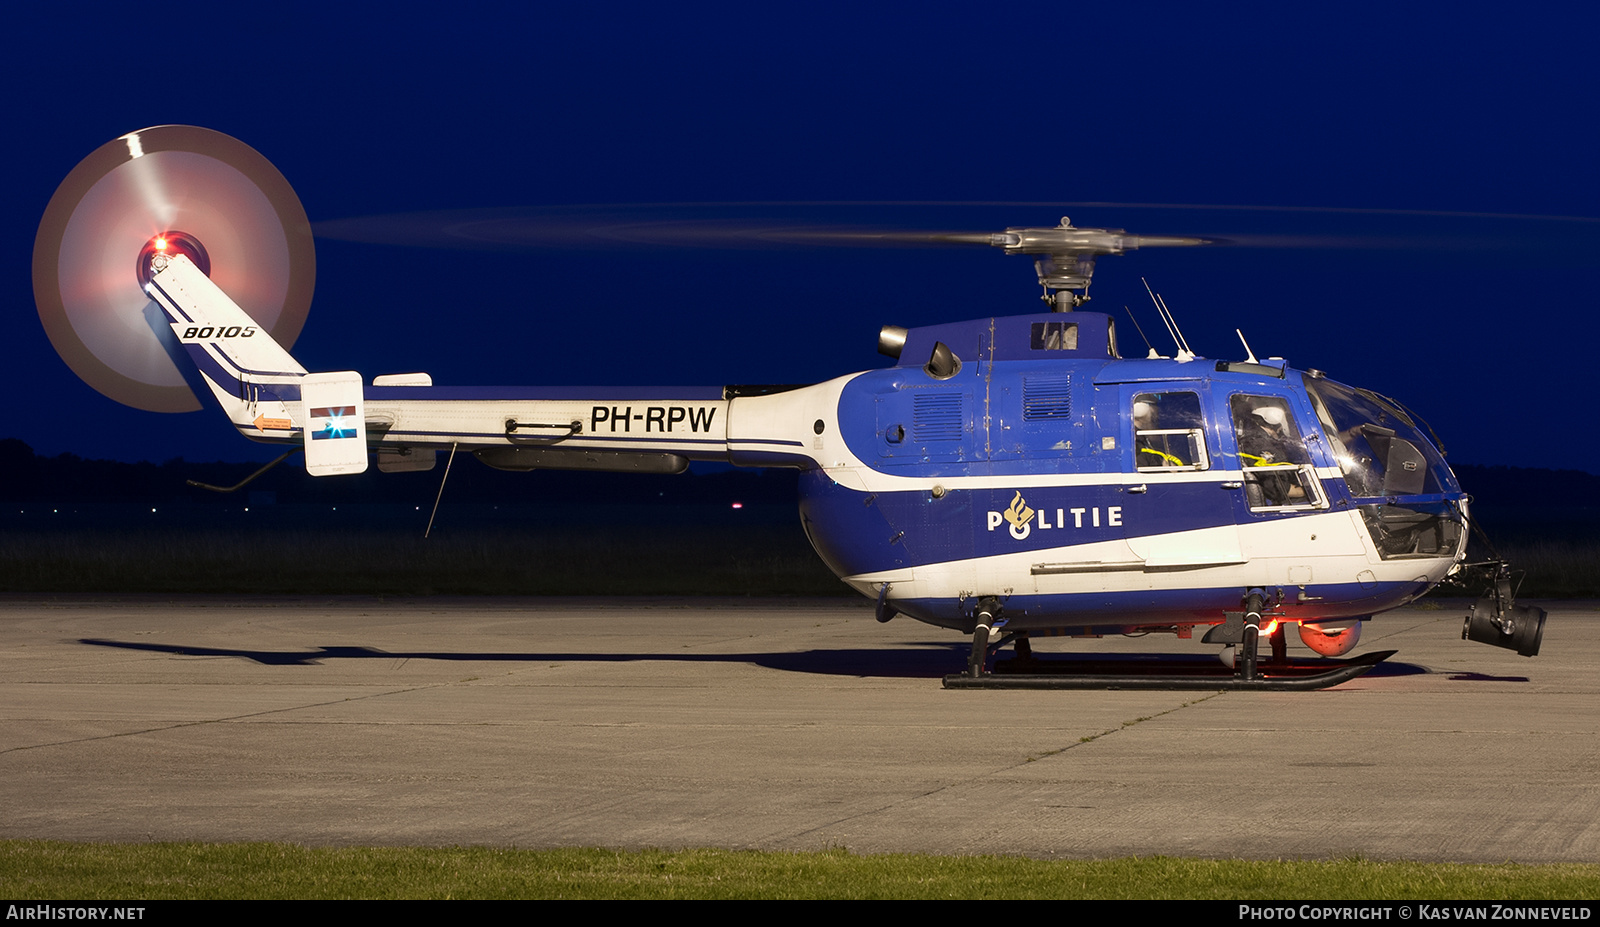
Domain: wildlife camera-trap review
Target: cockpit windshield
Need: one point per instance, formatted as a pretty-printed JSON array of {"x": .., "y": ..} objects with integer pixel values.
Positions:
[{"x": 1380, "y": 449}]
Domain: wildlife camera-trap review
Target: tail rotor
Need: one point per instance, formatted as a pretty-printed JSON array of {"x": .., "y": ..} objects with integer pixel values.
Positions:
[{"x": 129, "y": 208}]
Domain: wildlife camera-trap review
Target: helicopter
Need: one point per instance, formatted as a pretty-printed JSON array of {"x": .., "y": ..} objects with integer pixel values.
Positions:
[{"x": 1006, "y": 477}]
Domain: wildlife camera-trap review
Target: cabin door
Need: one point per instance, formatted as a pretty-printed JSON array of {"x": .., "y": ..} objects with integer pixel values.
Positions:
[{"x": 1180, "y": 515}]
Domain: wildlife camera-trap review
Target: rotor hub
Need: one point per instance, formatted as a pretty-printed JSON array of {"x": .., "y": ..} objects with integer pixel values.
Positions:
[
  {"x": 1064, "y": 255},
  {"x": 159, "y": 251}
]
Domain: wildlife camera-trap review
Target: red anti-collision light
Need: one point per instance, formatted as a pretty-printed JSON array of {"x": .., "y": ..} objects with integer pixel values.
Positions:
[{"x": 155, "y": 254}]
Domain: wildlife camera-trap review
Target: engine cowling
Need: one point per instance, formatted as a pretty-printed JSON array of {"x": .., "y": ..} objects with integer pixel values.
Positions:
[{"x": 1331, "y": 638}]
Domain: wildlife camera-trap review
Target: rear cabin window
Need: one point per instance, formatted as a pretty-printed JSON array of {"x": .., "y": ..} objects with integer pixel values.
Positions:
[
  {"x": 1055, "y": 336},
  {"x": 1168, "y": 433}
]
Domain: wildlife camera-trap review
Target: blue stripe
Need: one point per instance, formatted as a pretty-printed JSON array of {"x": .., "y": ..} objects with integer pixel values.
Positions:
[
  {"x": 566, "y": 393},
  {"x": 230, "y": 384},
  {"x": 548, "y": 442},
  {"x": 175, "y": 307},
  {"x": 749, "y": 458},
  {"x": 247, "y": 370}
]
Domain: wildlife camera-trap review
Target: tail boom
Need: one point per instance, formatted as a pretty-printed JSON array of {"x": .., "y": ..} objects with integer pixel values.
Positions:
[{"x": 270, "y": 397}]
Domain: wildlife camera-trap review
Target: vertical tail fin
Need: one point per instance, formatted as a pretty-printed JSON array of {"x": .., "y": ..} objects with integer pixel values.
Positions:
[{"x": 262, "y": 389}]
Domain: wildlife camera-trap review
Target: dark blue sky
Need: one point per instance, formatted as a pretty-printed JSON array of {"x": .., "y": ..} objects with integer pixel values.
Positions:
[{"x": 1482, "y": 325}]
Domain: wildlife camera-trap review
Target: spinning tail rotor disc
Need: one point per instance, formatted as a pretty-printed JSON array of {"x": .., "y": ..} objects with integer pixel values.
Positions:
[{"x": 129, "y": 206}]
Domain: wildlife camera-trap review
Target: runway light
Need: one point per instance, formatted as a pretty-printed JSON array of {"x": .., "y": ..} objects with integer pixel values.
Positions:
[{"x": 738, "y": 505}]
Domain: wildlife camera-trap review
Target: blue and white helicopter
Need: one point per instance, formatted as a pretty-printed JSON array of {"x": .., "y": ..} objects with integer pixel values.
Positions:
[{"x": 1006, "y": 478}]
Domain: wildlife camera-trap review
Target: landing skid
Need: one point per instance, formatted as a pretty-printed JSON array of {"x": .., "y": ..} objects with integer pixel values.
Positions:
[{"x": 1165, "y": 675}]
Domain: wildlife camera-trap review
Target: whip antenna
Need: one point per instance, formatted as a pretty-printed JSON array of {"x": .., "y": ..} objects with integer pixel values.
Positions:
[
  {"x": 1152, "y": 355},
  {"x": 1184, "y": 354}
]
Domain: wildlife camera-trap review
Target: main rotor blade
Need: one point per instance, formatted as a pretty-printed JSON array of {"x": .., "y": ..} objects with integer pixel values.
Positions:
[
  {"x": 603, "y": 227},
  {"x": 776, "y": 225}
]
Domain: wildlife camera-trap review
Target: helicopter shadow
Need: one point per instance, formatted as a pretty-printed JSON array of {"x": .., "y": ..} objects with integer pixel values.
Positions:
[{"x": 930, "y": 661}]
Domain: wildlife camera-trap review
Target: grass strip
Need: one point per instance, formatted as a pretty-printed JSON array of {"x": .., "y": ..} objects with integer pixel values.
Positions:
[{"x": 44, "y": 870}]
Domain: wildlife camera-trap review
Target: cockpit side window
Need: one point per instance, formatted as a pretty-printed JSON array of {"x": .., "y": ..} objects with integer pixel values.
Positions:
[
  {"x": 1277, "y": 470},
  {"x": 1168, "y": 433}
]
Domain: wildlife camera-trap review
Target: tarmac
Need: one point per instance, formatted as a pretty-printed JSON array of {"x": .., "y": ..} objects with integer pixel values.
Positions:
[{"x": 766, "y": 724}]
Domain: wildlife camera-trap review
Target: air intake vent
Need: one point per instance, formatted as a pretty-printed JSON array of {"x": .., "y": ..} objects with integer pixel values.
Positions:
[
  {"x": 1046, "y": 398},
  {"x": 936, "y": 417}
]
